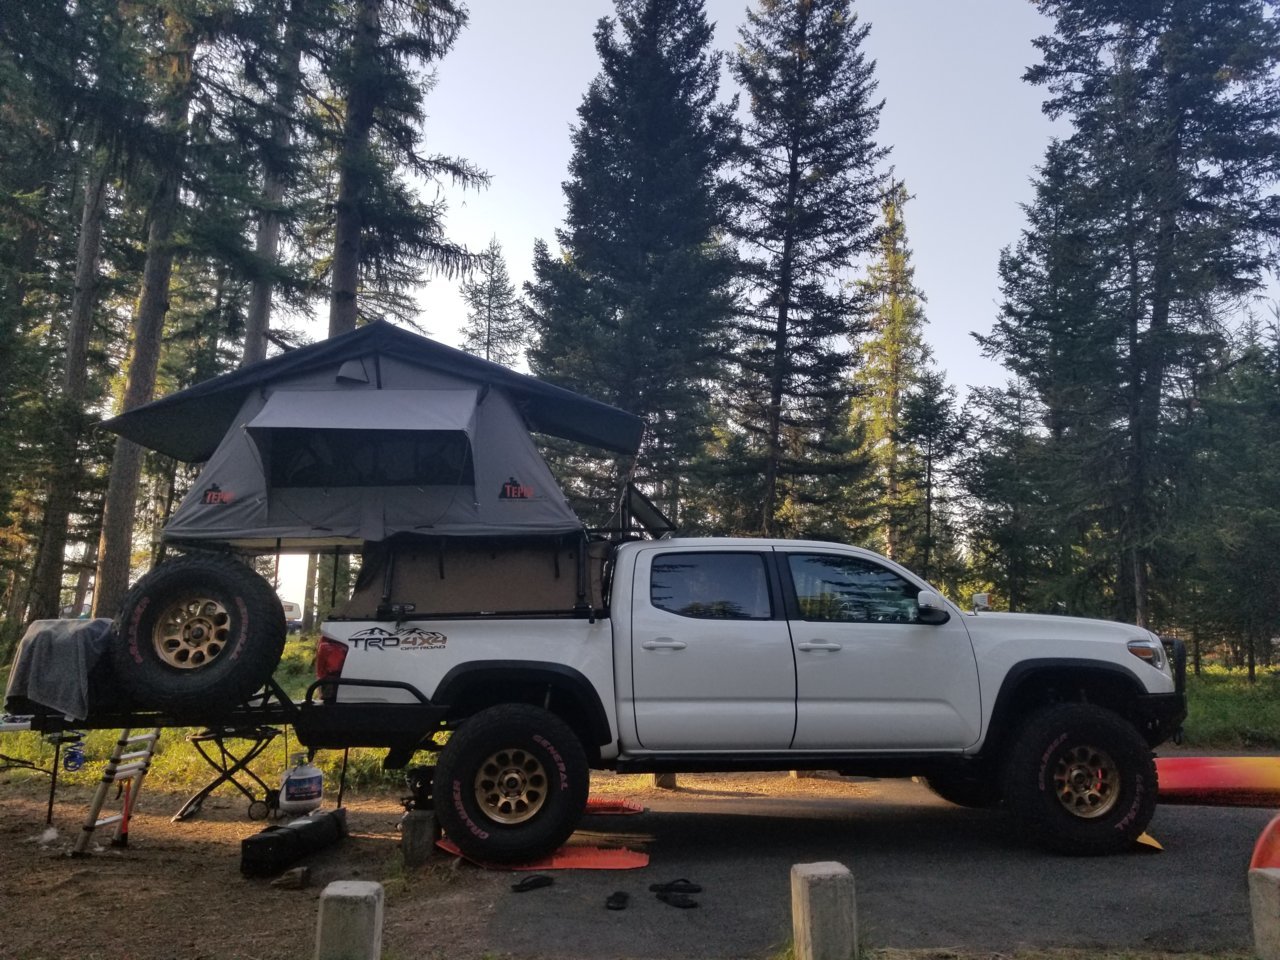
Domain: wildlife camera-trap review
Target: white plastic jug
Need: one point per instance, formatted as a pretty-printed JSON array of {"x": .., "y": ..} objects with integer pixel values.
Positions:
[{"x": 301, "y": 787}]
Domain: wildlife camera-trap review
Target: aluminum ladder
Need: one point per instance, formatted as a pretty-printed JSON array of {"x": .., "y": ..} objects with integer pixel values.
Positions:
[{"x": 127, "y": 768}]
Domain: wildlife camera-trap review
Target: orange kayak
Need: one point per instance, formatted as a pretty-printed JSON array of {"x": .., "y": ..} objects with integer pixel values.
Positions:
[{"x": 1220, "y": 781}]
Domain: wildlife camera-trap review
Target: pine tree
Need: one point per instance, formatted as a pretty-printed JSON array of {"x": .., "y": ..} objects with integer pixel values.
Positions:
[
  {"x": 164, "y": 211},
  {"x": 383, "y": 234},
  {"x": 1176, "y": 147},
  {"x": 1057, "y": 332},
  {"x": 811, "y": 192},
  {"x": 999, "y": 476},
  {"x": 1232, "y": 505},
  {"x": 495, "y": 328},
  {"x": 278, "y": 166},
  {"x": 634, "y": 309},
  {"x": 932, "y": 430},
  {"x": 892, "y": 361}
]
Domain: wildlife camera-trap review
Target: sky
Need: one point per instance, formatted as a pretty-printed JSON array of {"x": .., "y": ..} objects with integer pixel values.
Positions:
[{"x": 965, "y": 133}]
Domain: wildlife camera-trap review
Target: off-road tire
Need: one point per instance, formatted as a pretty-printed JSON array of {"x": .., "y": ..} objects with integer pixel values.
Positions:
[
  {"x": 976, "y": 791},
  {"x": 1080, "y": 780},
  {"x": 197, "y": 636},
  {"x": 511, "y": 784}
]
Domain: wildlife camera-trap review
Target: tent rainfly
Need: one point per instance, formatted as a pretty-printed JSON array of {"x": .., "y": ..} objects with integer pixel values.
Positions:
[{"x": 367, "y": 436}]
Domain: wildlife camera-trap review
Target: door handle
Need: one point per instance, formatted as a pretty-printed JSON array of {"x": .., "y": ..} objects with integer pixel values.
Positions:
[
  {"x": 809, "y": 645},
  {"x": 664, "y": 644}
]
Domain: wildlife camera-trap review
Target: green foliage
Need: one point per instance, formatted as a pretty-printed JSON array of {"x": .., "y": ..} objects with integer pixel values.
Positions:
[
  {"x": 810, "y": 192},
  {"x": 634, "y": 309},
  {"x": 495, "y": 328},
  {"x": 1150, "y": 226},
  {"x": 1228, "y": 712},
  {"x": 907, "y": 415}
]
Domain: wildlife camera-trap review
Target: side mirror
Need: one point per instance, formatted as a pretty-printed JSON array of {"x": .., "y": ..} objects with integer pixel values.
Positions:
[
  {"x": 981, "y": 601},
  {"x": 932, "y": 608}
]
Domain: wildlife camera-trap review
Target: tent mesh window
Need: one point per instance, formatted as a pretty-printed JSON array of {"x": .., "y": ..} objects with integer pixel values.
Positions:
[{"x": 370, "y": 458}]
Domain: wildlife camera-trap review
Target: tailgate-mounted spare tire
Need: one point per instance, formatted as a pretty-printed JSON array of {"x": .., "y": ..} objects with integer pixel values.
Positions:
[{"x": 197, "y": 635}]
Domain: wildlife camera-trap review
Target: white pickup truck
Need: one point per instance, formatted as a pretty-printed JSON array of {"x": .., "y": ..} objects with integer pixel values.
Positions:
[{"x": 742, "y": 654}]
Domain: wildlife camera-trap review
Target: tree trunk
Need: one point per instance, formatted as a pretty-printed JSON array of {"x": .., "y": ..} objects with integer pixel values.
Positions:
[
  {"x": 84, "y": 578},
  {"x": 309, "y": 596},
  {"x": 777, "y": 380},
  {"x": 267, "y": 241},
  {"x": 46, "y": 586},
  {"x": 352, "y": 176},
  {"x": 116, "y": 543}
]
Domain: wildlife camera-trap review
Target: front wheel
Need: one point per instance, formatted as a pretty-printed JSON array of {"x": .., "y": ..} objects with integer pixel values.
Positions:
[
  {"x": 511, "y": 784},
  {"x": 1081, "y": 780}
]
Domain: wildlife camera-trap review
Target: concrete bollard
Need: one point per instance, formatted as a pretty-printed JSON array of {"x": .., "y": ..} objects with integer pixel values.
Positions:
[
  {"x": 418, "y": 836},
  {"x": 824, "y": 914},
  {"x": 1264, "y": 903},
  {"x": 350, "y": 924},
  {"x": 664, "y": 781}
]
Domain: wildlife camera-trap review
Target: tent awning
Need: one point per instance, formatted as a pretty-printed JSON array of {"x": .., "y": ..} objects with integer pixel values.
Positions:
[
  {"x": 371, "y": 410},
  {"x": 189, "y": 425}
]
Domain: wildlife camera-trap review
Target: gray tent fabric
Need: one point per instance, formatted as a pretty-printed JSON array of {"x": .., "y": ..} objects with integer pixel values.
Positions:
[
  {"x": 327, "y": 458},
  {"x": 368, "y": 410},
  {"x": 190, "y": 425}
]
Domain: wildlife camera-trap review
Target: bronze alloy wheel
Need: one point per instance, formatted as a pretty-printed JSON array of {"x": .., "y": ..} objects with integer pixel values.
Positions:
[
  {"x": 1086, "y": 781},
  {"x": 511, "y": 786},
  {"x": 191, "y": 632}
]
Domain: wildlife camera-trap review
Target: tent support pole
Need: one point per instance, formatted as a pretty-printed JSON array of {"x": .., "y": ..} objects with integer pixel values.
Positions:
[
  {"x": 582, "y": 568},
  {"x": 387, "y": 577}
]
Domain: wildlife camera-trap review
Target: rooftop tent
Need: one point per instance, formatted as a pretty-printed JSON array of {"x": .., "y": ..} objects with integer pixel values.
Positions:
[
  {"x": 394, "y": 435},
  {"x": 189, "y": 425}
]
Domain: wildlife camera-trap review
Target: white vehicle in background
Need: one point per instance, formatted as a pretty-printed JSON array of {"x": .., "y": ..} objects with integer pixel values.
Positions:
[{"x": 292, "y": 616}]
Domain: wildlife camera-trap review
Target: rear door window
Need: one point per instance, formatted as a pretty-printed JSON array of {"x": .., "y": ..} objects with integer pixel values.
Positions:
[{"x": 711, "y": 586}]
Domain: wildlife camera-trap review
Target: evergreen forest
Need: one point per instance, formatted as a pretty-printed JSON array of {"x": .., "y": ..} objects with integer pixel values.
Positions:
[{"x": 189, "y": 186}]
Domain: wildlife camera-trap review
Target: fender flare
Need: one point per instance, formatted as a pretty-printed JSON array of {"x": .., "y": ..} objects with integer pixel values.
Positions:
[
  {"x": 465, "y": 677},
  {"x": 998, "y": 729}
]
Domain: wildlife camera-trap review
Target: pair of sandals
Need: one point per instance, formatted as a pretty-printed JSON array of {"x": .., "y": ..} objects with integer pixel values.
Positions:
[{"x": 674, "y": 893}]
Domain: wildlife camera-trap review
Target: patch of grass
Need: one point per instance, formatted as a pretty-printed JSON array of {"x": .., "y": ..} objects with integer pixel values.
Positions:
[
  {"x": 296, "y": 670},
  {"x": 1227, "y": 712}
]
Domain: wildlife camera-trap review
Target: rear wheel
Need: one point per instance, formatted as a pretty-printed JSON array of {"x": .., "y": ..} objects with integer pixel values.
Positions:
[
  {"x": 511, "y": 784},
  {"x": 197, "y": 634},
  {"x": 1081, "y": 780}
]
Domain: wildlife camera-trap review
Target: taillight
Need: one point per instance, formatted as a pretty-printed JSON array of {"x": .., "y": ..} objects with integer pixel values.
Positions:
[{"x": 331, "y": 655}]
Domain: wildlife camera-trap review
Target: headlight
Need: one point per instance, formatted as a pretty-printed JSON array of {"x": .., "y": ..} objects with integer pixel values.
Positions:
[{"x": 1152, "y": 651}]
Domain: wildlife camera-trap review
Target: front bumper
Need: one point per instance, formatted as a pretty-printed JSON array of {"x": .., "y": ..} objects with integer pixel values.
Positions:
[{"x": 1160, "y": 715}]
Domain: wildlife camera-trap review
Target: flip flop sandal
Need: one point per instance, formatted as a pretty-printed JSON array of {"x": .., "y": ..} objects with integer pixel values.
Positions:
[
  {"x": 675, "y": 886},
  {"x": 533, "y": 882},
  {"x": 678, "y": 900},
  {"x": 617, "y": 901}
]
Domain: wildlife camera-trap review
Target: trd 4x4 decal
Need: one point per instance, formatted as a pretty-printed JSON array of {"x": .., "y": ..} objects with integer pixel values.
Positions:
[{"x": 407, "y": 638}]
